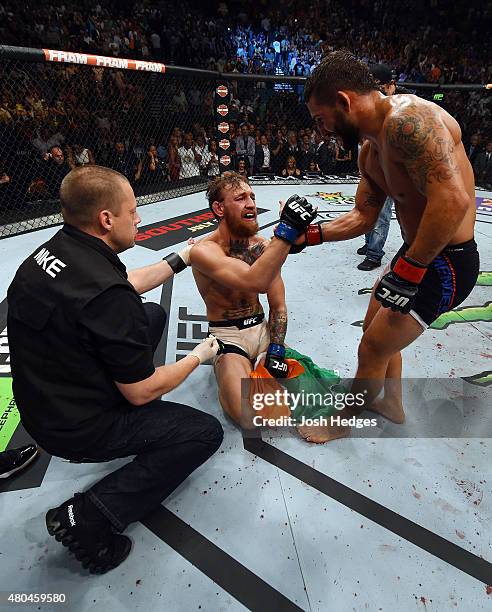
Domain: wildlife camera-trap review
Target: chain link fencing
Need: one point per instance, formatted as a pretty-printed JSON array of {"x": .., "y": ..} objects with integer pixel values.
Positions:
[{"x": 168, "y": 129}]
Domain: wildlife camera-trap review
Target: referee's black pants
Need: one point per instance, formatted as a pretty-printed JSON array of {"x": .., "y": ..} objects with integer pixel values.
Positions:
[{"x": 169, "y": 441}]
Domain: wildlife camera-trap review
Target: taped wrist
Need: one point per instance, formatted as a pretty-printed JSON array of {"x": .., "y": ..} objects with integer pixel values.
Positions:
[
  {"x": 409, "y": 269},
  {"x": 176, "y": 263},
  {"x": 314, "y": 234},
  {"x": 276, "y": 349}
]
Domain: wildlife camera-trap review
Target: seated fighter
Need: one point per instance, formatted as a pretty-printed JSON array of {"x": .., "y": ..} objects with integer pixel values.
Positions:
[{"x": 231, "y": 267}]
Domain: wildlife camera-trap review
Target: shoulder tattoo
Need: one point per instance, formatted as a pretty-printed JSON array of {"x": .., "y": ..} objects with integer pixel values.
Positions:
[{"x": 425, "y": 146}]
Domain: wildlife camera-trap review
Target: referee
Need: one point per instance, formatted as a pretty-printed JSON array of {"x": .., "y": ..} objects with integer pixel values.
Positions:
[{"x": 82, "y": 346}]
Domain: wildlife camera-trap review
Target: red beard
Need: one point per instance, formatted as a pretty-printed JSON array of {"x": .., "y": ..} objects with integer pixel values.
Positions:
[{"x": 239, "y": 227}]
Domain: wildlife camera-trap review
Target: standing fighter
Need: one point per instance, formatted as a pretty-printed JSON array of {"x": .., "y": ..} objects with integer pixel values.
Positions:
[
  {"x": 413, "y": 153},
  {"x": 231, "y": 267}
]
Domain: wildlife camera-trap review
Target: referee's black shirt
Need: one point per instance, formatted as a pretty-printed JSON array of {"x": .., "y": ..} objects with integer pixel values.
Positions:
[{"x": 75, "y": 325}]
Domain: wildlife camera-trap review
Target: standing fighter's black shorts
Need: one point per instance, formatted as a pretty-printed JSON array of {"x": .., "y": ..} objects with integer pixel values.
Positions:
[{"x": 448, "y": 281}]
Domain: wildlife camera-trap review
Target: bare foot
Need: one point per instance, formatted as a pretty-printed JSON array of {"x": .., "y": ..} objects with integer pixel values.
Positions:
[
  {"x": 319, "y": 434},
  {"x": 389, "y": 407}
]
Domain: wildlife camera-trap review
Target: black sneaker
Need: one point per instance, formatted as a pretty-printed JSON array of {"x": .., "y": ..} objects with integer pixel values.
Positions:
[
  {"x": 90, "y": 538},
  {"x": 12, "y": 461},
  {"x": 369, "y": 264},
  {"x": 362, "y": 250}
]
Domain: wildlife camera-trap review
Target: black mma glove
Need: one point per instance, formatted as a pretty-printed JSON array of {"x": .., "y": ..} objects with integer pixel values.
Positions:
[
  {"x": 399, "y": 287},
  {"x": 275, "y": 360},
  {"x": 296, "y": 215}
]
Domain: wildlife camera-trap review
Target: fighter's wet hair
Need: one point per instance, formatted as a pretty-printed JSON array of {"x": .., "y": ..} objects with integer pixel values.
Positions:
[
  {"x": 215, "y": 189},
  {"x": 338, "y": 71}
]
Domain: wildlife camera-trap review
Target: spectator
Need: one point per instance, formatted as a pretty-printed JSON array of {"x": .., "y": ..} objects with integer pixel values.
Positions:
[
  {"x": 321, "y": 154},
  {"x": 173, "y": 160},
  {"x": 263, "y": 157},
  {"x": 162, "y": 153},
  {"x": 245, "y": 145},
  {"x": 483, "y": 167},
  {"x": 210, "y": 160},
  {"x": 306, "y": 154},
  {"x": 125, "y": 162},
  {"x": 313, "y": 167},
  {"x": 278, "y": 150},
  {"x": 153, "y": 169},
  {"x": 473, "y": 148},
  {"x": 104, "y": 148},
  {"x": 179, "y": 101},
  {"x": 94, "y": 102},
  {"x": 200, "y": 144},
  {"x": 242, "y": 166},
  {"x": 5, "y": 187},
  {"x": 79, "y": 156},
  {"x": 291, "y": 168},
  {"x": 155, "y": 41},
  {"x": 342, "y": 158},
  {"x": 189, "y": 158},
  {"x": 54, "y": 170},
  {"x": 44, "y": 142},
  {"x": 292, "y": 147},
  {"x": 375, "y": 240}
]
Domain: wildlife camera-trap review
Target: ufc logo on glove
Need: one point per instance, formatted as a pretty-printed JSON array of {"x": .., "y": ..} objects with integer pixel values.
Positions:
[
  {"x": 396, "y": 298},
  {"x": 304, "y": 214},
  {"x": 279, "y": 365}
]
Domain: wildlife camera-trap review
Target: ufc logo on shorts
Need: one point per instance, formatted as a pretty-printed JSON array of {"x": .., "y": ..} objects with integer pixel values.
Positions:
[
  {"x": 304, "y": 214},
  {"x": 249, "y": 321},
  {"x": 396, "y": 298}
]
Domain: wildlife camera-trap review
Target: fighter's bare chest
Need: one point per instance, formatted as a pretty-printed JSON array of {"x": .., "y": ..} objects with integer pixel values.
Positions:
[
  {"x": 248, "y": 253},
  {"x": 390, "y": 176}
]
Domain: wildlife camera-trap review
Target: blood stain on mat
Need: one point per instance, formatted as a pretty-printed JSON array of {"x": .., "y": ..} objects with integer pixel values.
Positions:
[
  {"x": 388, "y": 547},
  {"x": 473, "y": 492}
]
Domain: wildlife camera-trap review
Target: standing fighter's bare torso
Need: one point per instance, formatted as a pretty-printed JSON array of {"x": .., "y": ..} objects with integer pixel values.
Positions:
[
  {"x": 405, "y": 182},
  {"x": 224, "y": 303}
]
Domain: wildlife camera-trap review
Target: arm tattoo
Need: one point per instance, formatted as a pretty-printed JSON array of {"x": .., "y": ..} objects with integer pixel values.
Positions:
[
  {"x": 241, "y": 249},
  {"x": 369, "y": 199},
  {"x": 278, "y": 326},
  {"x": 426, "y": 148}
]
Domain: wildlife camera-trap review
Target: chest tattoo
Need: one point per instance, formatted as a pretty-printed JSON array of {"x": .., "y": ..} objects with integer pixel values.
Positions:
[{"x": 240, "y": 249}]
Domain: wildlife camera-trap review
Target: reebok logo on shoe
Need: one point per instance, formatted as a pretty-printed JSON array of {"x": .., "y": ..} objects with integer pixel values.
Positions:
[{"x": 71, "y": 517}]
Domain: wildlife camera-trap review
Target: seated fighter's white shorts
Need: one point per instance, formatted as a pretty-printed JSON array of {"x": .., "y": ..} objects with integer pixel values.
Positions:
[{"x": 248, "y": 337}]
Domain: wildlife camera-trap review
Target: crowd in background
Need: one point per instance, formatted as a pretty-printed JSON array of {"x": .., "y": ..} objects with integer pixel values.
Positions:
[
  {"x": 443, "y": 42},
  {"x": 53, "y": 118}
]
